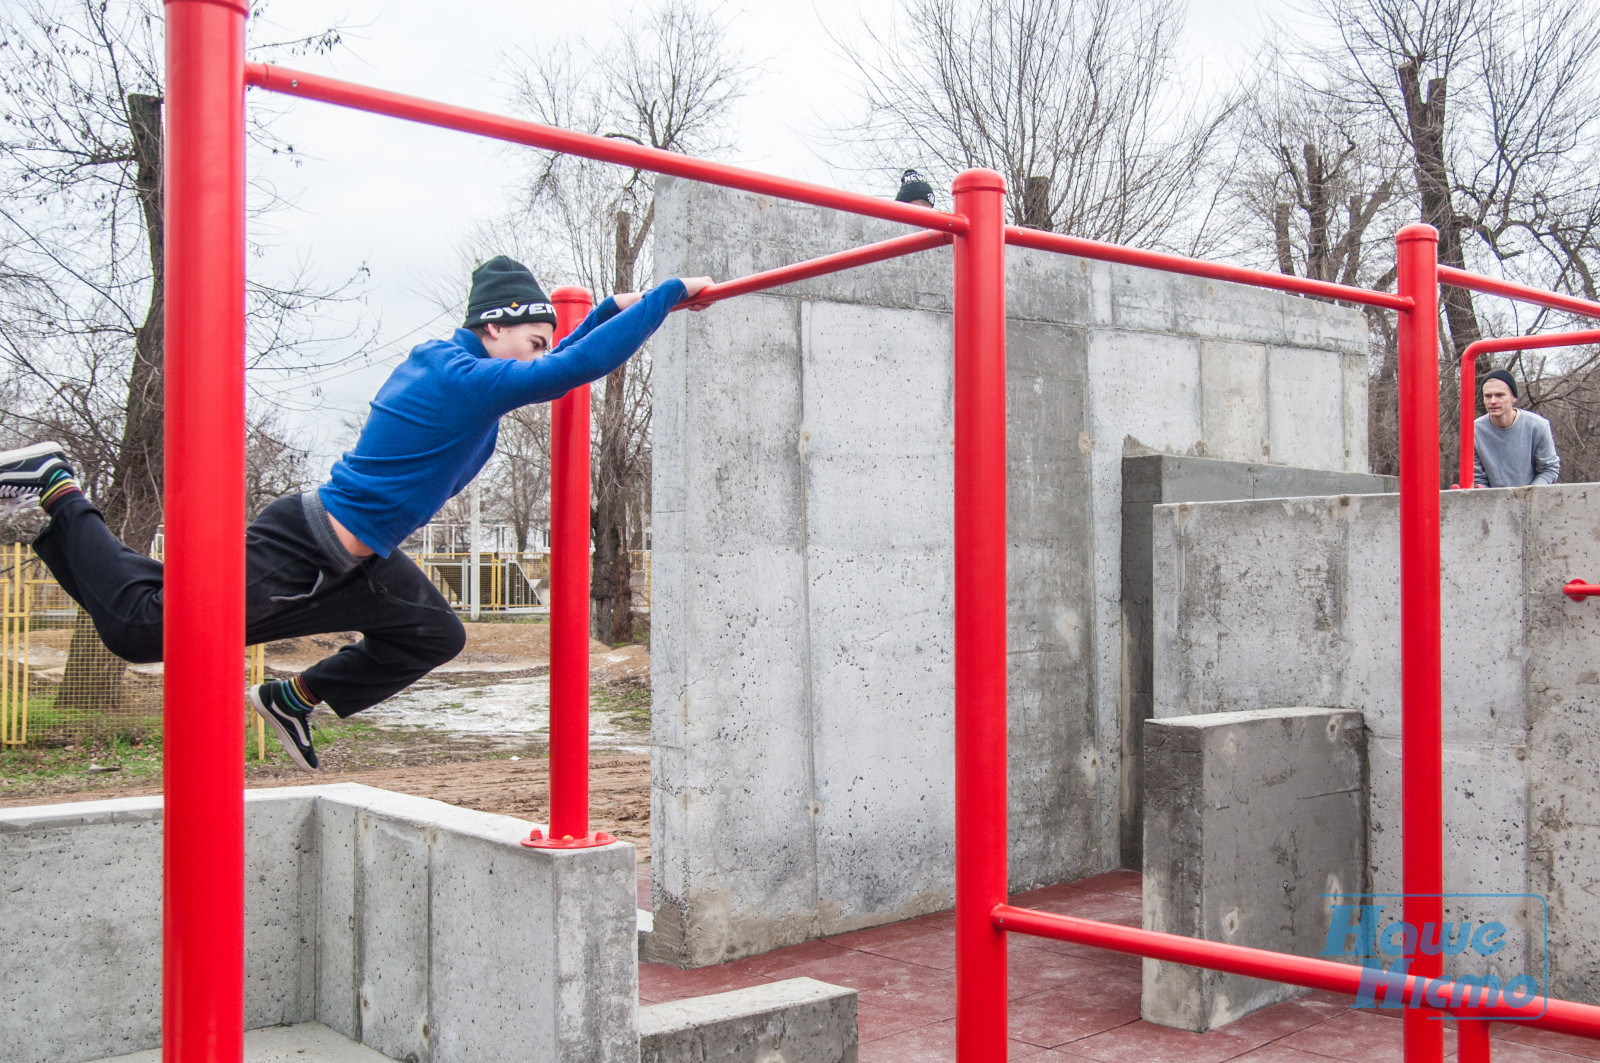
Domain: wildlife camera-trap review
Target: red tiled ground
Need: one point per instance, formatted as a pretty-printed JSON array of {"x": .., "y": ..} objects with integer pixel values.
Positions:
[{"x": 1068, "y": 1002}]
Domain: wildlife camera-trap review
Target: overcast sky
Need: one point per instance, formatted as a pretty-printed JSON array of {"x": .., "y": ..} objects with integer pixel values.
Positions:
[{"x": 398, "y": 198}]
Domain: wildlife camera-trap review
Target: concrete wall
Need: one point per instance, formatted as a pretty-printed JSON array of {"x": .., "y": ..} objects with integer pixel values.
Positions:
[
  {"x": 1261, "y": 604},
  {"x": 796, "y": 1020},
  {"x": 424, "y": 931},
  {"x": 1149, "y": 480},
  {"x": 1255, "y": 819},
  {"x": 802, "y": 655}
]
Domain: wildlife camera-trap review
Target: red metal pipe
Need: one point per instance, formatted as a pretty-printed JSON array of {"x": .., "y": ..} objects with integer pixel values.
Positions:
[
  {"x": 1578, "y": 590},
  {"x": 1476, "y": 282},
  {"x": 1040, "y": 240},
  {"x": 202, "y": 963},
  {"x": 817, "y": 267},
  {"x": 1563, "y": 1016},
  {"x": 1469, "y": 373},
  {"x": 980, "y": 616},
  {"x": 1472, "y": 1041},
  {"x": 482, "y": 123},
  {"x": 1421, "y": 728},
  {"x": 569, "y": 603}
]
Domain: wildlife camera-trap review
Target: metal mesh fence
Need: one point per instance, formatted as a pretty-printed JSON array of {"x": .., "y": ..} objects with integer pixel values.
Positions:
[{"x": 59, "y": 685}]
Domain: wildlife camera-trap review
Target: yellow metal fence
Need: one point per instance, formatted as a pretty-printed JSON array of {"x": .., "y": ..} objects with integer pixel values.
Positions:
[{"x": 59, "y": 685}]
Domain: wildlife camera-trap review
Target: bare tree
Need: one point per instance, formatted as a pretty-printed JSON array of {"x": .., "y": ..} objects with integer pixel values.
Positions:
[
  {"x": 1077, "y": 101},
  {"x": 667, "y": 82},
  {"x": 519, "y": 477},
  {"x": 82, "y": 287}
]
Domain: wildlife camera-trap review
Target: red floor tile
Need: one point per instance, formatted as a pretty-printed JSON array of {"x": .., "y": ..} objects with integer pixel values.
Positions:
[
  {"x": 1580, "y": 1047},
  {"x": 1145, "y": 1042},
  {"x": 1055, "y": 1017},
  {"x": 1356, "y": 1035},
  {"x": 935, "y": 1043},
  {"x": 873, "y": 1022},
  {"x": 1280, "y": 1020},
  {"x": 1112, "y": 882},
  {"x": 774, "y": 964},
  {"x": 1279, "y": 1053},
  {"x": 1031, "y": 971},
  {"x": 928, "y": 947},
  {"x": 659, "y": 982}
]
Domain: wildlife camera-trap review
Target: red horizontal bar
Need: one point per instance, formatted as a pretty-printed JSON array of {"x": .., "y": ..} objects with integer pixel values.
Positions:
[
  {"x": 517, "y": 131},
  {"x": 1469, "y": 387},
  {"x": 1195, "y": 267},
  {"x": 1582, "y": 1020},
  {"x": 1477, "y": 282},
  {"x": 1578, "y": 590},
  {"x": 817, "y": 267}
]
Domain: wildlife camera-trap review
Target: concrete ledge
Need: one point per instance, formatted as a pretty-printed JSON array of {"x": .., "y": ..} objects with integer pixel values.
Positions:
[
  {"x": 799, "y": 1020},
  {"x": 420, "y": 930},
  {"x": 304, "y": 1042},
  {"x": 1252, "y": 819}
]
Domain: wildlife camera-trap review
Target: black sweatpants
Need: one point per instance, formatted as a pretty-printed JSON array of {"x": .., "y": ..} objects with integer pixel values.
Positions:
[{"x": 292, "y": 588}]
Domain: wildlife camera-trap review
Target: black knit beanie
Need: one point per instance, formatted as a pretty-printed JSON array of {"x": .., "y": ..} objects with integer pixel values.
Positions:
[
  {"x": 1501, "y": 375},
  {"x": 505, "y": 293},
  {"x": 913, "y": 186}
]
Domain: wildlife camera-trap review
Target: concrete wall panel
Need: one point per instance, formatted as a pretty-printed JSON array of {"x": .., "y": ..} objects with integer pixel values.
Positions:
[
  {"x": 802, "y": 659},
  {"x": 1518, "y": 680}
]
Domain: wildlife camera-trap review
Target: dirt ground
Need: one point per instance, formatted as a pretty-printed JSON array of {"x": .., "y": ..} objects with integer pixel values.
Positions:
[
  {"x": 619, "y": 790},
  {"x": 506, "y": 774}
]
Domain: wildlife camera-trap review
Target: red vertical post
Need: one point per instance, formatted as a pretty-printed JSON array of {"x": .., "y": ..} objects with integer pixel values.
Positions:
[
  {"x": 569, "y": 602},
  {"x": 1469, "y": 406},
  {"x": 1472, "y": 1041},
  {"x": 980, "y": 603},
  {"x": 203, "y": 836},
  {"x": 1421, "y": 727}
]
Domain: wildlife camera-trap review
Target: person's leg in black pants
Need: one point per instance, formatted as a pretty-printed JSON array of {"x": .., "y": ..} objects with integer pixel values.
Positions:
[
  {"x": 291, "y": 589},
  {"x": 118, "y": 587}
]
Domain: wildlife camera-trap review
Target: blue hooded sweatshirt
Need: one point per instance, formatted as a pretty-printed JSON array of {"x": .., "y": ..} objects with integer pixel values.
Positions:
[{"x": 434, "y": 422}]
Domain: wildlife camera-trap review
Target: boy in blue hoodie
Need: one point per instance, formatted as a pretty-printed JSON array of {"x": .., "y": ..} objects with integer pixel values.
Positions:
[{"x": 326, "y": 560}]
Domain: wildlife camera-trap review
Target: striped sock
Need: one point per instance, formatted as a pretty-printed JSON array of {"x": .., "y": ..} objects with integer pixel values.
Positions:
[
  {"x": 62, "y": 486},
  {"x": 296, "y": 695}
]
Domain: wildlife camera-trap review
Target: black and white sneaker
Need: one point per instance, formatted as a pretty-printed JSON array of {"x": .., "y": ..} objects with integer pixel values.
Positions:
[
  {"x": 292, "y": 726},
  {"x": 26, "y": 473}
]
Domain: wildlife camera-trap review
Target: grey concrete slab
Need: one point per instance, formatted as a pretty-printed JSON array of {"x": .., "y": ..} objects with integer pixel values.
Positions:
[
  {"x": 424, "y": 931},
  {"x": 796, "y": 1020},
  {"x": 802, "y": 483},
  {"x": 304, "y": 1042},
  {"x": 1252, "y": 818},
  {"x": 1258, "y": 603}
]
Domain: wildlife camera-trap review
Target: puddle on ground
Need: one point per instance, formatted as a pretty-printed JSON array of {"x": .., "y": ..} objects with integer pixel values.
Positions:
[{"x": 508, "y": 708}]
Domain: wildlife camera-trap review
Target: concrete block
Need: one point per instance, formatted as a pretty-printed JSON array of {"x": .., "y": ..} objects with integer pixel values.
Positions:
[
  {"x": 420, "y": 930},
  {"x": 1251, "y": 819},
  {"x": 306, "y": 1042},
  {"x": 797, "y": 1020}
]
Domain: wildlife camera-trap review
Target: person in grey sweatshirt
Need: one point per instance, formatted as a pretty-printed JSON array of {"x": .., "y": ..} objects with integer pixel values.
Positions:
[{"x": 1511, "y": 447}]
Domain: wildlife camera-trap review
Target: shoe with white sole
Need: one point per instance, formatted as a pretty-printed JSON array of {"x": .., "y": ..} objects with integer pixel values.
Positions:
[
  {"x": 292, "y": 726},
  {"x": 28, "y": 472}
]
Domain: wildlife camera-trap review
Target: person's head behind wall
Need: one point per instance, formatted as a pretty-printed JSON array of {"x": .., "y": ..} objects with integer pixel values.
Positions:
[
  {"x": 509, "y": 312},
  {"x": 914, "y": 189},
  {"x": 1500, "y": 398}
]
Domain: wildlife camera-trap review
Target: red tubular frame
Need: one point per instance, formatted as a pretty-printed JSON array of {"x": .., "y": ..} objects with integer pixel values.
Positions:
[
  {"x": 1578, "y": 590},
  {"x": 1469, "y": 383},
  {"x": 202, "y": 964},
  {"x": 1040, "y": 240},
  {"x": 1421, "y": 726},
  {"x": 569, "y": 603},
  {"x": 203, "y": 946},
  {"x": 980, "y": 616},
  {"x": 464, "y": 119},
  {"x": 817, "y": 267},
  {"x": 1477, "y": 282}
]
